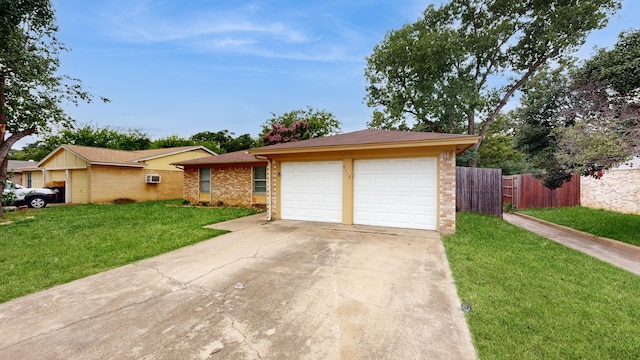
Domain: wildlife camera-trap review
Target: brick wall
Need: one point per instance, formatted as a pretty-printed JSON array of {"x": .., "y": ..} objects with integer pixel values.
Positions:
[
  {"x": 232, "y": 185},
  {"x": 272, "y": 184},
  {"x": 617, "y": 190},
  {"x": 191, "y": 185},
  {"x": 447, "y": 214},
  {"x": 108, "y": 183}
]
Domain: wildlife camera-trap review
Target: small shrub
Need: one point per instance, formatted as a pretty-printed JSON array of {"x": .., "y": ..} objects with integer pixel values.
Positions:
[
  {"x": 219, "y": 203},
  {"x": 123, "y": 201}
]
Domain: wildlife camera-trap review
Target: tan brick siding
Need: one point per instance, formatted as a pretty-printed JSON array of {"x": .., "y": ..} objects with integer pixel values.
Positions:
[
  {"x": 191, "y": 185},
  {"x": 108, "y": 183},
  {"x": 617, "y": 190},
  {"x": 272, "y": 184},
  {"x": 232, "y": 185},
  {"x": 447, "y": 215}
]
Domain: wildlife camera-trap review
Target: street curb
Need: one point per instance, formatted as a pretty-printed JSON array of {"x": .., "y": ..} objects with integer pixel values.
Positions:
[{"x": 609, "y": 242}]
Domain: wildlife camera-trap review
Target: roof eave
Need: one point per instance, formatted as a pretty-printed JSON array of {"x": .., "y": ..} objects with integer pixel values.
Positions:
[
  {"x": 104, "y": 163},
  {"x": 257, "y": 161},
  {"x": 199, "y": 147},
  {"x": 465, "y": 143}
]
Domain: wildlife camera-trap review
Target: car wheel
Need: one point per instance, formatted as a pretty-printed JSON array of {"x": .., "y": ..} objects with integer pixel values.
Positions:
[{"x": 37, "y": 202}]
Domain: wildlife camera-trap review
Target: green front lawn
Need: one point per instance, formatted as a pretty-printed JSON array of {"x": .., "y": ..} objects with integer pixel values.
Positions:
[
  {"x": 55, "y": 245},
  {"x": 532, "y": 298},
  {"x": 609, "y": 224}
]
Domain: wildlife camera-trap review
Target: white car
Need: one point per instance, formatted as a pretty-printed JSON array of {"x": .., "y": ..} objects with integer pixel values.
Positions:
[{"x": 32, "y": 197}]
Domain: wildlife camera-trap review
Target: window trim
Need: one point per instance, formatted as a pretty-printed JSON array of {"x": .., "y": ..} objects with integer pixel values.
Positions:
[
  {"x": 257, "y": 180},
  {"x": 202, "y": 181}
]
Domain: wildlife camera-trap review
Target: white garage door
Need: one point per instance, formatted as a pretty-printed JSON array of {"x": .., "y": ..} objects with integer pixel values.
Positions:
[
  {"x": 396, "y": 193},
  {"x": 311, "y": 191}
]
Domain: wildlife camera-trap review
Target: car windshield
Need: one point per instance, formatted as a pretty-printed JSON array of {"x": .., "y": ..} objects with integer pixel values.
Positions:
[{"x": 12, "y": 185}]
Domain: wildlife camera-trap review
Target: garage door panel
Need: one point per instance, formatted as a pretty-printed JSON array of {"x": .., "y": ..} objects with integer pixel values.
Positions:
[
  {"x": 311, "y": 191},
  {"x": 398, "y": 192}
]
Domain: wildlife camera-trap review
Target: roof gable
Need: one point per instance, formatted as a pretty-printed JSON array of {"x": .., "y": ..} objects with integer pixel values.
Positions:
[{"x": 104, "y": 156}]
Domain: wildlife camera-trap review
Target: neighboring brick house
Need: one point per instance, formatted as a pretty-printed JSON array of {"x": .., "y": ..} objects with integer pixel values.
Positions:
[
  {"x": 86, "y": 174},
  {"x": 368, "y": 177},
  {"x": 617, "y": 190},
  {"x": 233, "y": 179}
]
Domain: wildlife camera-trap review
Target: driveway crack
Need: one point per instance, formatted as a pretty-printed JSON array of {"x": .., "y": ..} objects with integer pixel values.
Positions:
[{"x": 239, "y": 331}]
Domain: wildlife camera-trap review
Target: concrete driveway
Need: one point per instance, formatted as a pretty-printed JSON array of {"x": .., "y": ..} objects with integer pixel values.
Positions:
[{"x": 281, "y": 290}]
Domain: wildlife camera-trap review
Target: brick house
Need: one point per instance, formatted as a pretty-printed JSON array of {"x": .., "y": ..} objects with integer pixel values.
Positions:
[
  {"x": 617, "y": 190},
  {"x": 368, "y": 177},
  {"x": 233, "y": 179},
  {"x": 86, "y": 174}
]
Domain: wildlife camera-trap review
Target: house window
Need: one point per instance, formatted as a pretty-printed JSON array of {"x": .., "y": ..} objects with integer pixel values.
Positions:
[
  {"x": 205, "y": 180},
  {"x": 29, "y": 180},
  {"x": 260, "y": 179}
]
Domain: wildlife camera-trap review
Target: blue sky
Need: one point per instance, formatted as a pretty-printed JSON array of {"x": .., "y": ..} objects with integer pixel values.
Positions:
[{"x": 175, "y": 67}]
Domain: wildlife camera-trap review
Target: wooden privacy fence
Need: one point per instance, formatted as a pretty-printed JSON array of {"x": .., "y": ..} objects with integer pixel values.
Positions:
[
  {"x": 479, "y": 190},
  {"x": 525, "y": 192}
]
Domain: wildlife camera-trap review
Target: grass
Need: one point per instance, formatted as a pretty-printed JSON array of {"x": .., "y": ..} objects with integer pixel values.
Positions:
[
  {"x": 535, "y": 299},
  {"x": 609, "y": 224},
  {"x": 55, "y": 245}
]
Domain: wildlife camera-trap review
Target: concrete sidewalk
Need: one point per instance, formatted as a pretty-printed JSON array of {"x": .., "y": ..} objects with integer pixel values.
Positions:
[{"x": 614, "y": 252}]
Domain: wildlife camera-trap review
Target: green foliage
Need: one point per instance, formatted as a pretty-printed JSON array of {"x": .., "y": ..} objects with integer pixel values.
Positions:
[
  {"x": 617, "y": 69},
  {"x": 542, "y": 109},
  {"x": 62, "y": 244},
  {"x": 437, "y": 74},
  {"x": 223, "y": 141},
  {"x": 498, "y": 149},
  {"x": 171, "y": 141},
  {"x": 577, "y": 119},
  {"x": 533, "y": 298},
  {"x": 31, "y": 90},
  {"x": 319, "y": 123},
  {"x": 85, "y": 135}
]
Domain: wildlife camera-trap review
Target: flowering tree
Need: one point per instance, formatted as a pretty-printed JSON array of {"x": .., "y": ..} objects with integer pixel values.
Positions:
[
  {"x": 280, "y": 133},
  {"x": 299, "y": 124}
]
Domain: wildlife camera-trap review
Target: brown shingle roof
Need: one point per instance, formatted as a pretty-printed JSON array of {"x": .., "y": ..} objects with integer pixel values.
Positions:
[
  {"x": 123, "y": 157},
  {"x": 237, "y": 157},
  {"x": 368, "y": 137},
  {"x": 19, "y": 165}
]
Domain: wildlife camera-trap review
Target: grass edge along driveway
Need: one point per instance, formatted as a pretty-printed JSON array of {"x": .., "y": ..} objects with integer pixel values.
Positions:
[
  {"x": 532, "y": 298},
  {"x": 56, "y": 245},
  {"x": 603, "y": 223}
]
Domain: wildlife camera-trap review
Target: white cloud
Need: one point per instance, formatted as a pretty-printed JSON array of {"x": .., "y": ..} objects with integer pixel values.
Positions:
[
  {"x": 293, "y": 33},
  {"x": 141, "y": 23}
]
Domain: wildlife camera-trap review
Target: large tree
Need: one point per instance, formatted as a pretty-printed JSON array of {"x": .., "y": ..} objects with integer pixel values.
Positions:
[
  {"x": 605, "y": 107},
  {"x": 31, "y": 91},
  {"x": 442, "y": 72},
  {"x": 585, "y": 118}
]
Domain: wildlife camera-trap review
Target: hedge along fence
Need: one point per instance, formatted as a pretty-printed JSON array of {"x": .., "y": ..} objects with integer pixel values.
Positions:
[{"x": 479, "y": 190}]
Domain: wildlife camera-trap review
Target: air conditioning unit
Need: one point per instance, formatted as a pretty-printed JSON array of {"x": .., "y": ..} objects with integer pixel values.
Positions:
[{"x": 152, "y": 178}]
